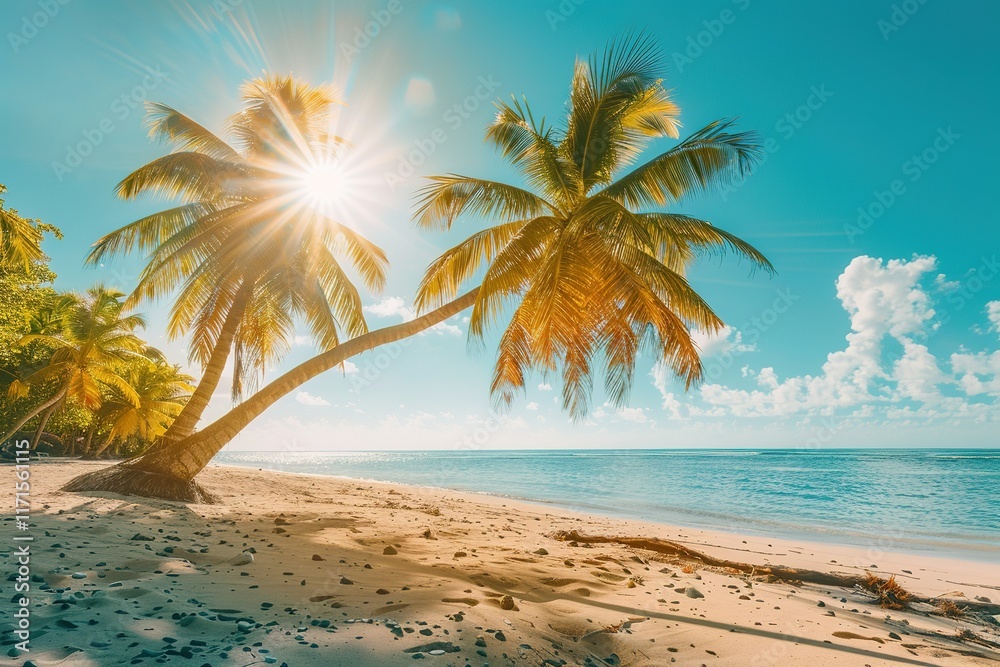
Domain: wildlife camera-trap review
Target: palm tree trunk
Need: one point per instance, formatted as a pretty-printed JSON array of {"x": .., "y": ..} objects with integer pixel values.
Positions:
[
  {"x": 187, "y": 420},
  {"x": 168, "y": 472},
  {"x": 41, "y": 425},
  {"x": 100, "y": 450},
  {"x": 85, "y": 450},
  {"x": 34, "y": 413}
]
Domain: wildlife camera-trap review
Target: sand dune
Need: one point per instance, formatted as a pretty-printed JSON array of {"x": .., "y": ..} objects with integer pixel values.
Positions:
[{"x": 358, "y": 573}]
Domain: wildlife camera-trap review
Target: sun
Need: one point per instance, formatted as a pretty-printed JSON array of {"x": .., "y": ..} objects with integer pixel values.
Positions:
[{"x": 323, "y": 185}]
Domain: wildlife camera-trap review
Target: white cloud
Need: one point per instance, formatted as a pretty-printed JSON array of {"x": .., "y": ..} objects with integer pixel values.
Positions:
[
  {"x": 545, "y": 386},
  {"x": 531, "y": 406},
  {"x": 725, "y": 341},
  {"x": 303, "y": 340},
  {"x": 885, "y": 301},
  {"x": 635, "y": 415},
  {"x": 395, "y": 306},
  {"x": 977, "y": 373},
  {"x": 993, "y": 315},
  {"x": 305, "y": 398},
  {"x": 350, "y": 368},
  {"x": 917, "y": 374},
  {"x": 389, "y": 306}
]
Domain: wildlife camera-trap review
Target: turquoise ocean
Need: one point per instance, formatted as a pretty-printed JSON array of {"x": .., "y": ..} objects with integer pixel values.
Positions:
[{"x": 938, "y": 501}]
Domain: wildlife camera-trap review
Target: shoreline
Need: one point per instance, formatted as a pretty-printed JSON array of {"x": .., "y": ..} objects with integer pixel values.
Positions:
[
  {"x": 427, "y": 571},
  {"x": 981, "y": 550}
]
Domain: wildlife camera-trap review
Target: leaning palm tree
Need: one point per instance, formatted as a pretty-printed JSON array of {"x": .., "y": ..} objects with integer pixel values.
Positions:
[
  {"x": 161, "y": 391},
  {"x": 95, "y": 338},
  {"x": 244, "y": 254},
  {"x": 584, "y": 268}
]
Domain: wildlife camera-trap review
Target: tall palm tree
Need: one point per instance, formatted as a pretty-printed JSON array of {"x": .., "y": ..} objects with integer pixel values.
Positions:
[
  {"x": 96, "y": 337},
  {"x": 587, "y": 270},
  {"x": 161, "y": 390},
  {"x": 243, "y": 252}
]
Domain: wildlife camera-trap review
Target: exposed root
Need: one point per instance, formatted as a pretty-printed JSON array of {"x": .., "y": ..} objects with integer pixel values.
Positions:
[{"x": 130, "y": 481}]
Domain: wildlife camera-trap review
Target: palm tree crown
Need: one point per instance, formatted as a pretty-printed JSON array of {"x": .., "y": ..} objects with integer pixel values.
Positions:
[
  {"x": 93, "y": 337},
  {"x": 580, "y": 269},
  {"x": 243, "y": 242}
]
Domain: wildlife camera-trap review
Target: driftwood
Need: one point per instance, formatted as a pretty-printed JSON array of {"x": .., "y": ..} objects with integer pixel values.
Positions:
[{"x": 777, "y": 572}]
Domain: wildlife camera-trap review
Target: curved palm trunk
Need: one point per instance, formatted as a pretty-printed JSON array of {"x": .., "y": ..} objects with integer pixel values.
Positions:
[
  {"x": 187, "y": 420},
  {"x": 34, "y": 413},
  {"x": 168, "y": 472}
]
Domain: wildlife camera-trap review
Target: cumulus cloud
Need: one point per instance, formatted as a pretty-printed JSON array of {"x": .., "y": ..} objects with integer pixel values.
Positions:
[
  {"x": 993, "y": 315},
  {"x": 395, "y": 306},
  {"x": 545, "y": 386},
  {"x": 717, "y": 343},
  {"x": 885, "y": 360},
  {"x": 635, "y": 415},
  {"x": 531, "y": 406},
  {"x": 305, "y": 398}
]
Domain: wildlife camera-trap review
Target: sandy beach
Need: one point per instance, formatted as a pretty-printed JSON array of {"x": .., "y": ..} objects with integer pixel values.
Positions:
[{"x": 358, "y": 573}]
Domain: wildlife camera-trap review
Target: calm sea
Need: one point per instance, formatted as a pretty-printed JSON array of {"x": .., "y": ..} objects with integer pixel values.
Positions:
[{"x": 945, "y": 501}]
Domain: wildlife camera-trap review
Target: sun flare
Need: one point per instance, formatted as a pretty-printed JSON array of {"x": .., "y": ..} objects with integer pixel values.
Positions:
[{"x": 324, "y": 184}]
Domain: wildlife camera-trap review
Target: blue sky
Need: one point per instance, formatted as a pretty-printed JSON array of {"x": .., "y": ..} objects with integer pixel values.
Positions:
[{"x": 880, "y": 329}]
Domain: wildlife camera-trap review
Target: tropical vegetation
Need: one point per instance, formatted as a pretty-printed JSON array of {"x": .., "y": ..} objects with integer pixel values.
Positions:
[{"x": 579, "y": 270}]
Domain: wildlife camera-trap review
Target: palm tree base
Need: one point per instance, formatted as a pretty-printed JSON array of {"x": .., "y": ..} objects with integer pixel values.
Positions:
[{"x": 126, "y": 480}]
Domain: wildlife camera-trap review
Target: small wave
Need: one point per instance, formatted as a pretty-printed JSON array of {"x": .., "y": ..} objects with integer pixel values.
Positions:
[{"x": 985, "y": 457}]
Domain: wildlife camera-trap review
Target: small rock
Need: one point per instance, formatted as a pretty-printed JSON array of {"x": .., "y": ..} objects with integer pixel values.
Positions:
[
  {"x": 541, "y": 552},
  {"x": 506, "y": 603},
  {"x": 389, "y": 551},
  {"x": 139, "y": 537},
  {"x": 245, "y": 558},
  {"x": 693, "y": 592},
  {"x": 346, "y": 581},
  {"x": 893, "y": 635},
  {"x": 317, "y": 557}
]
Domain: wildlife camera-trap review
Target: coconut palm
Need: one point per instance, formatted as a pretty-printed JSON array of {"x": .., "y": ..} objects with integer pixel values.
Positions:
[
  {"x": 20, "y": 238},
  {"x": 161, "y": 391},
  {"x": 580, "y": 269},
  {"x": 96, "y": 336},
  {"x": 243, "y": 253},
  {"x": 586, "y": 271}
]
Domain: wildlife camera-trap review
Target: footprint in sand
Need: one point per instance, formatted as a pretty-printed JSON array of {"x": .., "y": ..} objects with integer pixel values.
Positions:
[{"x": 472, "y": 602}]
